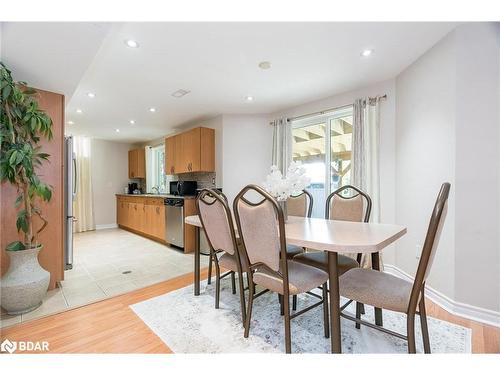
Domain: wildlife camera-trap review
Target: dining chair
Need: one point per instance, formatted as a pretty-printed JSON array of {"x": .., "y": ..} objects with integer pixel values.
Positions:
[
  {"x": 392, "y": 293},
  {"x": 298, "y": 205},
  {"x": 218, "y": 225},
  {"x": 261, "y": 227},
  {"x": 347, "y": 203},
  {"x": 210, "y": 261}
]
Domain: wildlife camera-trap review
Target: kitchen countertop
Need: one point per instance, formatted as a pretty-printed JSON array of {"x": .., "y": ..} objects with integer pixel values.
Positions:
[{"x": 156, "y": 196}]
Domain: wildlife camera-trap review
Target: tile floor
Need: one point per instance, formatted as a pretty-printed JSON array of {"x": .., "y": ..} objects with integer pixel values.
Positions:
[{"x": 106, "y": 263}]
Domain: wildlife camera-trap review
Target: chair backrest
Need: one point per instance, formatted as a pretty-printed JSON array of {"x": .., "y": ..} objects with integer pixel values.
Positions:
[
  {"x": 217, "y": 221},
  {"x": 431, "y": 243},
  {"x": 262, "y": 229},
  {"x": 356, "y": 206},
  {"x": 300, "y": 205}
]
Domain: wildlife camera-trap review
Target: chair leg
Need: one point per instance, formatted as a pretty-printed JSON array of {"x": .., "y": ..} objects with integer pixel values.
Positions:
[
  {"x": 282, "y": 309},
  {"x": 294, "y": 302},
  {"x": 423, "y": 324},
  {"x": 249, "y": 308},
  {"x": 362, "y": 308},
  {"x": 217, "y": 284},
  {"x": 210, "y": 261},
  {"x": 326, "y": 315},
  {"x": 242, "y": 297},
  {"x": 359, "y": 307},
  {"x": 233, "y": 283},
  {"x": 410, "y": 328},
  {"x": 288, "y": 339}
]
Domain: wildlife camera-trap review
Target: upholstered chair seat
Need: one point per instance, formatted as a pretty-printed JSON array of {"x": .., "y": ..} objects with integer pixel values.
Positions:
[
  {"x": 292, "y": 251},
  {"x": 229, "y": 262},
  {"x": 301, "y": 278},
  {"x": 376, "y": 288},
  {"x": 319, "y": 259}
]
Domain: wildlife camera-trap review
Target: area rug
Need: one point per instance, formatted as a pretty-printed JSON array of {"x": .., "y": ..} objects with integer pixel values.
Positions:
[{"x": 189, "y": 324}]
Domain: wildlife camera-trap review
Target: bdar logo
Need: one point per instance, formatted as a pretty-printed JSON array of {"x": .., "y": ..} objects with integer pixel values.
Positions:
[{"x": 8, "y": 346}]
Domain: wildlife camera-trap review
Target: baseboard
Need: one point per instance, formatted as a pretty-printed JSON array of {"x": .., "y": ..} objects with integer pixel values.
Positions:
[
  {"x": 105, "y": 226},
  {"x": 463, "y": 310}
]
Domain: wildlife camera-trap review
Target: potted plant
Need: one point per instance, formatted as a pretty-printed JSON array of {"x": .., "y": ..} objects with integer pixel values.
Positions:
[
  {"x": 23, "y": 124},
  {"x": 282, "y": 188}
]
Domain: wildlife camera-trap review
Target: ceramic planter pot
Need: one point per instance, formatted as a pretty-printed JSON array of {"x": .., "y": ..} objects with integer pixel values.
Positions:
[{"x": 25, "y": 283}]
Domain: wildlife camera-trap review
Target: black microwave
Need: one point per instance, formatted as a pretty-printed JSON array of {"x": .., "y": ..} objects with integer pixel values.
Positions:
[{"x": 183, "y": 187}]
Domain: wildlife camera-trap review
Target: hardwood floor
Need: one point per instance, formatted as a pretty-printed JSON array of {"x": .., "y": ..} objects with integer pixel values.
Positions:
[{"x": 110, "y": 326}]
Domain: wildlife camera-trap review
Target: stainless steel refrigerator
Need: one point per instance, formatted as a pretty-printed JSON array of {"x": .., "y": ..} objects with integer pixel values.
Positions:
[{"x": 70, "y": 190}]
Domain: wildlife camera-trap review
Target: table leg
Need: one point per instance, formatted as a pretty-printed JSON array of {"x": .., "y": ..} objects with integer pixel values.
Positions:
[
  {"x": 376, "y": 266},
  {"x": 197, "y": 261},
  {"x": 335, "y": 335}
]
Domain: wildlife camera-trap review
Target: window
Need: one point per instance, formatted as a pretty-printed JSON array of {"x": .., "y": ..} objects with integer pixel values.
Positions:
[
  {"x": 156, "y": 168},
  {"x": 324, "y": 146}
]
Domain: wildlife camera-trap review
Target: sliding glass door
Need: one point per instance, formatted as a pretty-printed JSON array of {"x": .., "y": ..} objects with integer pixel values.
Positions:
[{"x": 323, "y": 144}]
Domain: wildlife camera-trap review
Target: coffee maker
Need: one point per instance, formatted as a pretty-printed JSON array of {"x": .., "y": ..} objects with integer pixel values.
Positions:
[{"x": 131, "y": 187}]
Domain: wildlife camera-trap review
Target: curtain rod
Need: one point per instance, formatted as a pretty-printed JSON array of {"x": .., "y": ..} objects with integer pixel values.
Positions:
[{"x": 330, "y": 109}]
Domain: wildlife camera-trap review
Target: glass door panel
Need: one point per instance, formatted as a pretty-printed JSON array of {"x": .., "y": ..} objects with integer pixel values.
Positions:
[
  {"x": 309, "y": 145},
  {"x": 340, "y": 151}
]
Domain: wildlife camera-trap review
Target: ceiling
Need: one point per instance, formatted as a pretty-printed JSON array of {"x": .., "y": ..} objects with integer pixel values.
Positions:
[{"x": 216, "y": 62}]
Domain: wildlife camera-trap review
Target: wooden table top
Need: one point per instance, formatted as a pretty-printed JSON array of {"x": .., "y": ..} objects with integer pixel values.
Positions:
[{"x": 333, "y": 235}]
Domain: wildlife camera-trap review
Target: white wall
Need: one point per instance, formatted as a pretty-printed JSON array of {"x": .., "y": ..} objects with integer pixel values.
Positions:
[
  {"x": 448, "y": 130},
  {"x": 387, "y": 140},
  {"x": 247, "y": 148},
  {"x": 425, "y": 151},
  {"x": 109, "y": 176},
  {"x": 477, "y": 159}
]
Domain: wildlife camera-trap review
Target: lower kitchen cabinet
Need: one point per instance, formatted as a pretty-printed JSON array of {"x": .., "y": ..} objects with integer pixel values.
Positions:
[{"x": 142, "y": 215}]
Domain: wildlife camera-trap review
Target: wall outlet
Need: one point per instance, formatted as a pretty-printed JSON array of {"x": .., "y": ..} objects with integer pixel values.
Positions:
[
  {"x": 418, "y": 250},
  {"x": 213, "y": 180}
]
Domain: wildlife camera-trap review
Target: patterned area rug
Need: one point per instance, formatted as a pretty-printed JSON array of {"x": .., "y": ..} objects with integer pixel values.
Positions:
[{"x": 189, "y": 324}]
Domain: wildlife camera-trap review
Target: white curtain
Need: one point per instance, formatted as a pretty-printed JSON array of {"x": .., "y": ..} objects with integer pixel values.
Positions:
[
  {"x": 365, "y": 154},
  {"x": 83, "y": 205},
  {"x": 282, "y": 144}
]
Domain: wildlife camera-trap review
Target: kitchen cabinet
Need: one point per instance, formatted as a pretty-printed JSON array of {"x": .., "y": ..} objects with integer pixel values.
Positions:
[
  {"x": 142, "y": 215},
  {"x": 137, "y": 163},
  {"x": 191, "y": 151}
]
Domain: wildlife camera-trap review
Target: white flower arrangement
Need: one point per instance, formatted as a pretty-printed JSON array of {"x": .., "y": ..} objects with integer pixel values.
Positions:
[{"x": 283, "y": 187}]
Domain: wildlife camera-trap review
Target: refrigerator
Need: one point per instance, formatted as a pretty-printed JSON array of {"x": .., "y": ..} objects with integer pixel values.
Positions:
[{"x": 70, "y": 191}]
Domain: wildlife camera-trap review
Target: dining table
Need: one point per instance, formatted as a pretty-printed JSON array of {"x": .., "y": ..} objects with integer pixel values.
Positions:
[{"x": 334, "y": 237}]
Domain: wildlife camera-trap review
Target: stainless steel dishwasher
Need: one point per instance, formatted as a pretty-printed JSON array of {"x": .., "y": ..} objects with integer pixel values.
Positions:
[{"x": 174, "y": 215}]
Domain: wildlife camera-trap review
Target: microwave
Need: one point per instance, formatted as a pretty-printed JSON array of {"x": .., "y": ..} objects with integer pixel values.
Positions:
[{"x": 183, "y": 188}]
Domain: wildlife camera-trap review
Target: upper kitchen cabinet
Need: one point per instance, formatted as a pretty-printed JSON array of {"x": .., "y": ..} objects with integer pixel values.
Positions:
[
  {"x": 137, "y": 163},
  {"x": 191, "y": 151}
]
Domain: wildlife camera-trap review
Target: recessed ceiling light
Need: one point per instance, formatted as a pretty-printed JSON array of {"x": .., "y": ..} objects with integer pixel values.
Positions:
[
  {"x": 152, "y": 109},
  {"x": 70, "y": 122},
  {"x": 132, "y": 122},
  {"x": 180, "y": 93},
  {"x": 131, "y": 43},
  {"x": 265, "y": 65},
  {"x": 79, "y": 110},
  {"x": 91, "y": 95},
  {"x": 366, "y": 52},
  {"x": 117, "y": 130},
  {"x": 249, "y": 98}
]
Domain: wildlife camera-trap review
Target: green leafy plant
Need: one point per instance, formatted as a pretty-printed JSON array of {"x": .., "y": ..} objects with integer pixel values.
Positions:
[{"x": 23, "y": 124}]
